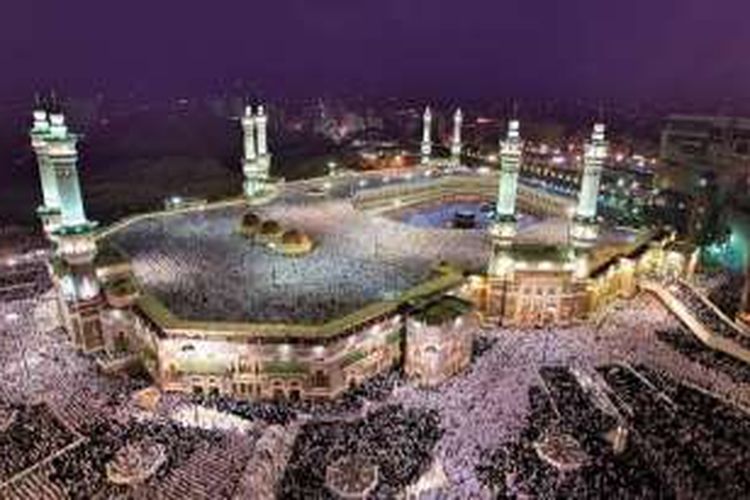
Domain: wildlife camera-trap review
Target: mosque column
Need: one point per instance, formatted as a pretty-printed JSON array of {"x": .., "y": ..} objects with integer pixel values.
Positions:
[
  {"x": 456, "y": 140},
  {"x": 426, "y": 148},
  {"x": 49, "y": 210}
]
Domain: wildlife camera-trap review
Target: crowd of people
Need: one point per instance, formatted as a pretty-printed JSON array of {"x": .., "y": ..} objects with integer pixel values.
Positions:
[
  {"x": 23, "y": 279},
  {"x": 706, "y": 314},
  {"x": 723, "y": 288},
  {"x": 698, "y": 441},
  {"x": 82, "y": 471},
  {"x": 688, "y": 344},
  {"x": 675, "y": 446},
  {"x": 398, "y": 441},
  {"x": 350, "y": 404},
  {"x": 481, "y": 425},
  {"x": 31, "y": 434},
  {"x": 200, "y": 266}
]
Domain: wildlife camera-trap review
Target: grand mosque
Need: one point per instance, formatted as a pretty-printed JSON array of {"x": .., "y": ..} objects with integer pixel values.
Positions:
[{"x": 306, "y": 289}]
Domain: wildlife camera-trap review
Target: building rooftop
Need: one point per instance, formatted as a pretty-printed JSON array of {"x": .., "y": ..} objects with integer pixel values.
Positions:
[{"x": 446, "y": 308}]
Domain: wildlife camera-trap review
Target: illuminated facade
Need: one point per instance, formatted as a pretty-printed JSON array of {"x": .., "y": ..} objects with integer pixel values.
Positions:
[
  {"x": 247, "y": 366},
  {"x": 439, "y": 339}
]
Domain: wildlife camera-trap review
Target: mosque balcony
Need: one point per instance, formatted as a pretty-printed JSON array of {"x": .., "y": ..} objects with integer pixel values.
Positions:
[
  {"x": 75, "y": 248},
  {"x": 584, "y": 232},
  {"x": 82, "y": 229},
  {"x": 121, "y": 292},
  {"x": 44, "y": 210}
]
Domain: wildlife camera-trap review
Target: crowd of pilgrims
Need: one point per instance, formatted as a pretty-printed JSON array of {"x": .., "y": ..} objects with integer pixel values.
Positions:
[
  {"x": 203, "y": 269},
  {"x": 724, "y": 288},
  {"x": 691, "y": 347},
  {"x": 82, "y": 471},
  {"x": 29, "y": 434},
  {"x": 680, "y": 440},
  {"x": 706, "y": 314},
  {"x": 23, "y": 280},
  {"x": 350, "y": 404},
  {"x": 396, "y": 440},
  {"x": 401, "y": 430}
]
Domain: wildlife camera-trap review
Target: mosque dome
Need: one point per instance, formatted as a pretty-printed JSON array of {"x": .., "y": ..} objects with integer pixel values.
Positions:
[
  {"x": 250, "y": 220},
  {"x": 270, "y": 228},
  {"x": 250, "y": 224},
  {"x": 295, "y": 242},
  {"x": 294, "y": 237}
]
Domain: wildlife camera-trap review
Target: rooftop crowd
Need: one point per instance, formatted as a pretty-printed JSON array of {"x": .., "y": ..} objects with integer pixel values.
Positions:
[{"x": 203, "y": 268}]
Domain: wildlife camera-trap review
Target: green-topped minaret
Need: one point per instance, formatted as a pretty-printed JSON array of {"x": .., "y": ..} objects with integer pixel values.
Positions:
[
  {"x": 49, "y": 210},
  {"x": 73, "y": 234},
  {"x": 585, "y": 227},
  {"x": 503, "y": 228}
]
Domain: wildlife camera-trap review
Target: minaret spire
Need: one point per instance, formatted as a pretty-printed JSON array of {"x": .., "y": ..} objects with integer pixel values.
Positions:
[
  {"x": 426, "y": 148},
  {"x": 503, "y": 229},
  {"x": 585, "y": 226},
  {"x": 458, "y": 118},
  {"x": 594, "y": 154},
  {"x": 49, "y": 211},
  {"x": 510, "y": 164},
  {"x": 76, "y": 244},
  {"x": 248, "y": 130},
  {"x": 261, "y": 123},
  {"x": 257, "y": 160},
  {"x": 64, "y": 159}
]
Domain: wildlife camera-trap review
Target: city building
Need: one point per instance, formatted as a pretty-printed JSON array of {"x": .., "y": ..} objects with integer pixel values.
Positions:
[{"x": 693, "y": 145}]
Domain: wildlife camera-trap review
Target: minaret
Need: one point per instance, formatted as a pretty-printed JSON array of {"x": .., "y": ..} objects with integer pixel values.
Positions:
[
  {"x": 257, "y": 161},
  {"x": 261, "y": 123},
  {"x": 503, "y": 229},
  {"x": 248, "y": 129},
  {"x": 76, "y": 245},
  {"x": 250, "y": 167},
  {"x": 426, "y": 149},
  {"x": 264, "y": 157},
  {"x": 594, "y": 155},
  {"x": 456, "y": 140},
  {"x": 510, "y": 164},
  {"x": 585, "y": 225},
  {"x": 63, "y": 157},
  {"x": 49, "y": 211}
]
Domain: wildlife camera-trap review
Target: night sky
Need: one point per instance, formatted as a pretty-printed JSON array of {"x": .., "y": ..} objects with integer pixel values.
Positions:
[{"x": 628, "y": 49}]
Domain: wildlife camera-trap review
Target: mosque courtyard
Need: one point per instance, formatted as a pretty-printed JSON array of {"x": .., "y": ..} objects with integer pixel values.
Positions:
[{"x": 201, "y": 268}]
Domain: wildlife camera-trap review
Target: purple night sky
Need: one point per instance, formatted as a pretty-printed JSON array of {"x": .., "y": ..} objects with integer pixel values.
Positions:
[{"x": 652, "y": 49}]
